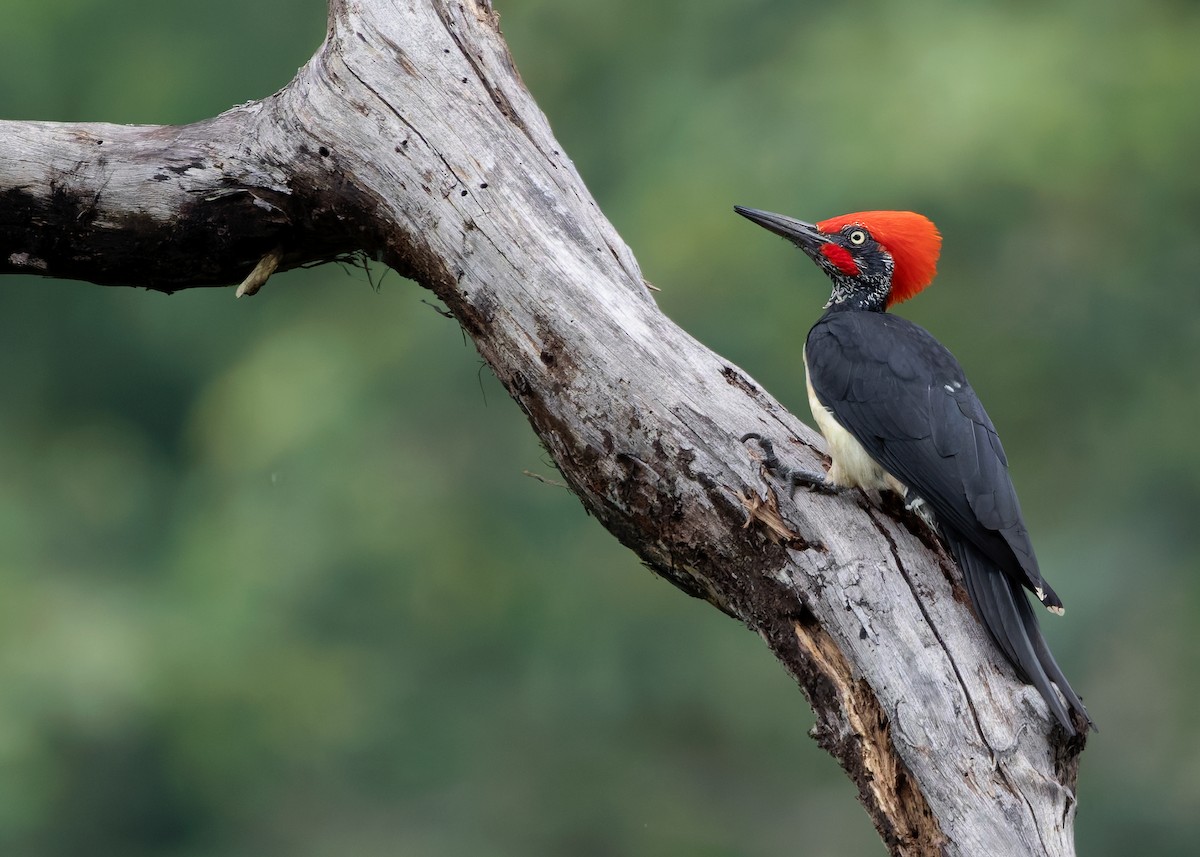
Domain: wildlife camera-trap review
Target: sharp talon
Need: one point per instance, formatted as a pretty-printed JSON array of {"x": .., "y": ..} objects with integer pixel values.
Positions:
[
  {"x": 770, "y": 461},
  {"x": 818, "y": 483},
  {"x": 920, "y": 508}
]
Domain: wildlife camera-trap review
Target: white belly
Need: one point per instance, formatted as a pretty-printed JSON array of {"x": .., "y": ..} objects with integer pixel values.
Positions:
[{"x": 850, "y": 464}]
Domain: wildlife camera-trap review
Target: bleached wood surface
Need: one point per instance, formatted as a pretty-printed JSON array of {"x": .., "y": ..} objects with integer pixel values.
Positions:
[{"x": 409, "y": 136}]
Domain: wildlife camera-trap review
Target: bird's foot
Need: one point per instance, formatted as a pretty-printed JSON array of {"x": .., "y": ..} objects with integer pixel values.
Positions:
[
  {"x": 769, "y": 460},
  {"x": 918, "y": 506},
  {"x": 794, "y": 477},
  {"x": 816, "y": 482}
]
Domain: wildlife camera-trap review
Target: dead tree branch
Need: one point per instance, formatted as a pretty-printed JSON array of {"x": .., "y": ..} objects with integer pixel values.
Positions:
[{"x": 410, "y": 137}]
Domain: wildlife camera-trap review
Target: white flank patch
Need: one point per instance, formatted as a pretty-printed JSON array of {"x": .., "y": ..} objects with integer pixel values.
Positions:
[{"x": 851, "y": 467}]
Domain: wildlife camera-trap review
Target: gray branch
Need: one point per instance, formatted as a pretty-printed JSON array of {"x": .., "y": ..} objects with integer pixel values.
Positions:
[{"x": 409, "y": 137}]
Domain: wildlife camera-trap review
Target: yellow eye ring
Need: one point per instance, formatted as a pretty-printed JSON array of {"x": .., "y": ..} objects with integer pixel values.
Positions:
[{"x": 858, "y": 238}]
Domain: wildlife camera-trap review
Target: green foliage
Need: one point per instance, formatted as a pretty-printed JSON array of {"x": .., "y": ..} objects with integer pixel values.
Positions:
[{"x": 273, "y": 580}]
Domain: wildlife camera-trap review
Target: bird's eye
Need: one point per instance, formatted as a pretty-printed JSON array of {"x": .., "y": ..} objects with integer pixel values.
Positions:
[{"x": 858, "y": 238}]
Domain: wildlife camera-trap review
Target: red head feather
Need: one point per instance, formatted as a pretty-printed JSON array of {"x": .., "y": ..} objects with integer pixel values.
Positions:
[{"x": 911, "y": 239}]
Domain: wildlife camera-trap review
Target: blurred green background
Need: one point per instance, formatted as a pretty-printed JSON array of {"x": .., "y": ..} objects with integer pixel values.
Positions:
[{"x": 272, "y": 580}]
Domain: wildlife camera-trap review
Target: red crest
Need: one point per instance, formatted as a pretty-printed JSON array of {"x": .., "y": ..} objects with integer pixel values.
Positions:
[{"x": 911, "y": 239}]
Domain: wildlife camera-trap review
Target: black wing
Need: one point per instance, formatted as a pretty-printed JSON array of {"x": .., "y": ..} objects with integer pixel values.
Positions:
[{"x": 904, "y": 397}]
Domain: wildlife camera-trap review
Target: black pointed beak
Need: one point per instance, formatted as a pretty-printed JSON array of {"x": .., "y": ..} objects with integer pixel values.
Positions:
[{"x": 806, "y": 236}]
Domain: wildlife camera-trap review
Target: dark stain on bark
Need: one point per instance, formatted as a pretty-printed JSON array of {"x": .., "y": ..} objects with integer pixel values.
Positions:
[
  {"x": 736, "y": 379},
  {"x": 554, "y": 354},
  {"x": 209, "y": 240},
  {"x": 853, "y": 727},
  {"x": 180, "y": 169}
]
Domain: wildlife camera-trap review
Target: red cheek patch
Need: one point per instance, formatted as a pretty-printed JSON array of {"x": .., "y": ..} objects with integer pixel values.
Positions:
[{"x": 841, "y": 258}]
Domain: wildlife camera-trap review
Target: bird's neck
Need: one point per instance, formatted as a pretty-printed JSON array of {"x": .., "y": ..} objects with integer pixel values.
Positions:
[{"x": 859, "y": 294}]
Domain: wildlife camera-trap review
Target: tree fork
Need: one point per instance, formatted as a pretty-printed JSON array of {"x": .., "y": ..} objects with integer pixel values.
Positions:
[{"x": 409, "y": 137}]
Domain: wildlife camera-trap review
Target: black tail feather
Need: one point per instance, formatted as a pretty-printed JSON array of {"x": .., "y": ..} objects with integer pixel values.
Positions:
[
  {"x": 1049, "y": 664},
  {"x": 1010, "y": 620}
]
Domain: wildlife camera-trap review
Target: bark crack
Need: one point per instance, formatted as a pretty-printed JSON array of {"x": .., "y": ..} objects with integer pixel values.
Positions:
[
  {"x": 499, "y": 99},
  {"x": 997, "y": 762},
  {"x": 898, "y": 808},
  {"x": 458, "y": 180},
  {"x": 883, "y": 531}
]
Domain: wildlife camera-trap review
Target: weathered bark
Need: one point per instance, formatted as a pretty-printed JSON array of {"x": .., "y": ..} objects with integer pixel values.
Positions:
[{"x": 410, "y": 137}]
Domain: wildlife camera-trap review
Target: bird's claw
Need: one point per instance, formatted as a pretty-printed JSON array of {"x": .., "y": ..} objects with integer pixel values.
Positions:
[
  {"x": 769, "y": 460},
  {"x": 815, "y": 482},
  {"x": 818, "y": 483},
  {"x": 918, "y": 506}
]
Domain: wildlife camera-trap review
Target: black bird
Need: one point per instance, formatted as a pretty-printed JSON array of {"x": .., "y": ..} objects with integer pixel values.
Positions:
[{"x": 898, "y": 414}]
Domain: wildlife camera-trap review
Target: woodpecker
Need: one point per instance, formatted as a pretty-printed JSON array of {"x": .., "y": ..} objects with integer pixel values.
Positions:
[{"x": 898, "y": 414}]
